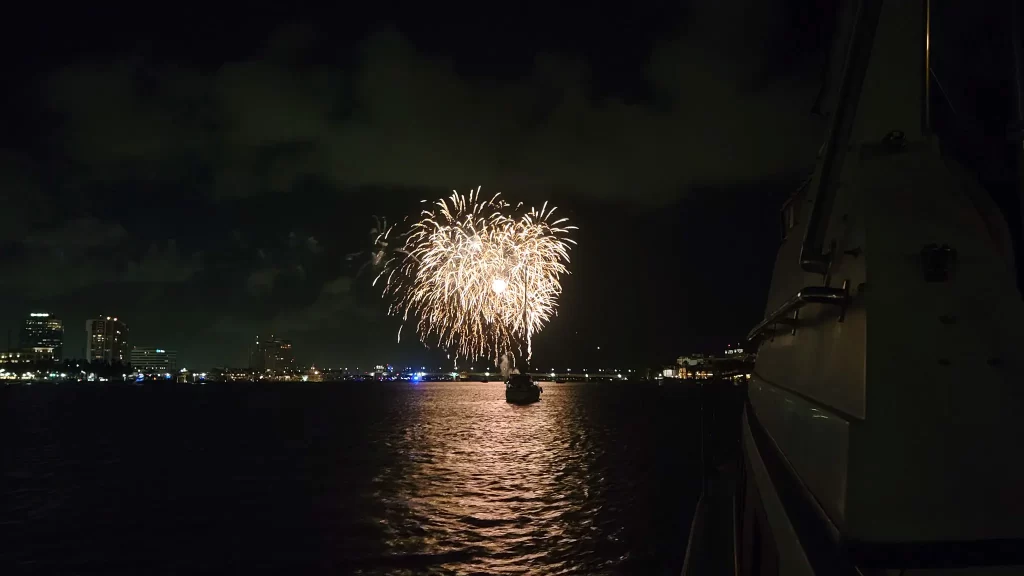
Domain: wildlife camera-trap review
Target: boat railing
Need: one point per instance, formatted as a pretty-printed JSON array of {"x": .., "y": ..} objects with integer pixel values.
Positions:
[{"x": 809, "y": 295}]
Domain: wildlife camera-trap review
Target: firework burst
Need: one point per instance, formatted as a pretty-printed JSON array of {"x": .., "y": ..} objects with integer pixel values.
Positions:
[{"x": 479, "y": 277}]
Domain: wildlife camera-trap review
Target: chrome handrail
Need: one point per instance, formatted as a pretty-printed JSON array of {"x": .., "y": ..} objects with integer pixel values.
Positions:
[{"x": 809, "y": 295}]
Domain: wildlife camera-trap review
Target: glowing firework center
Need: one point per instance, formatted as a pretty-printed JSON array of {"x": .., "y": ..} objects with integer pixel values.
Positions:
[{"x": 480, "y": 277}]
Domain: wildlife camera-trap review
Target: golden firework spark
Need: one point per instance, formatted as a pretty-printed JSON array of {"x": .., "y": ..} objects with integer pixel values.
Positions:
[{"x": 479, "y": 276}]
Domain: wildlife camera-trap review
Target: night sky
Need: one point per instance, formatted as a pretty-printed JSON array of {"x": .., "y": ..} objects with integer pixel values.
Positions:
[{"x": 203, "y": 176}]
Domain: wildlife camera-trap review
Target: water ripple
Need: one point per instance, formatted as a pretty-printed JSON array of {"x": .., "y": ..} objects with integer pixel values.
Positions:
[{"x": 438, "y": 478}]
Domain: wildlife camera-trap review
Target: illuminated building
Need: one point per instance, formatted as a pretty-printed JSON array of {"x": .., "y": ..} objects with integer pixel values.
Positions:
[
  {"x": 257, "y": 357},
  {"x": 229, "y": 375},
  {"x": 106, "y": 340},
  {"x": 314, "y": 375},
  {"x": 740, "y": 353},
  {"x": 692, "y": 360},
  {"x": 15, "y": 357},
  {"x": 695, "y": 367},
  {"x": 154, "y": 360},
  {"x": 42, "y": 337},
  {"x": 273, "y": 354},
  {"x": 735, "y": 360}
]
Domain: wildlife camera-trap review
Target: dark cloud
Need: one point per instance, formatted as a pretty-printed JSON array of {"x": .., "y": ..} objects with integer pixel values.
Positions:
[
  {"x": 162, "y": 264},
  {"x": 25, "y": 206},
  {"x": 405, "y": 119},
  {"x": 85, "y": 252},
  {"x": 80, "y": 235},
  {"x": 261, "y": 281},
  {"x": 333, "y": 309}
]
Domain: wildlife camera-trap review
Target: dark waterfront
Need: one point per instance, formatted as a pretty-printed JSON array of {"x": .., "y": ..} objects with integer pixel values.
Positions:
[{"x": 434, "y": 478}]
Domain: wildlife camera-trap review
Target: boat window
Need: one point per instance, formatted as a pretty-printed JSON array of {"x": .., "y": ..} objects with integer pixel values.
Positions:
[
  {"x": 972, "y": 100},
  {"x": 788, "y": 218}
]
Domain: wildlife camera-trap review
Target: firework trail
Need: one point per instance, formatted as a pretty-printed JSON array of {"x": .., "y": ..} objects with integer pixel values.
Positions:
[{"x": 479, "y": 277}]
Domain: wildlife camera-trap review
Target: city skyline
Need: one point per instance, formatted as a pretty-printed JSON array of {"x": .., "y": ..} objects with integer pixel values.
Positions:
[{"x": 111, "y": 345}]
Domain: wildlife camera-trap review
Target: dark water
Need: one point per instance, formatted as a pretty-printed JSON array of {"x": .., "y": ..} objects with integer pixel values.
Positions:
[{"x": 436, "y": 478}]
